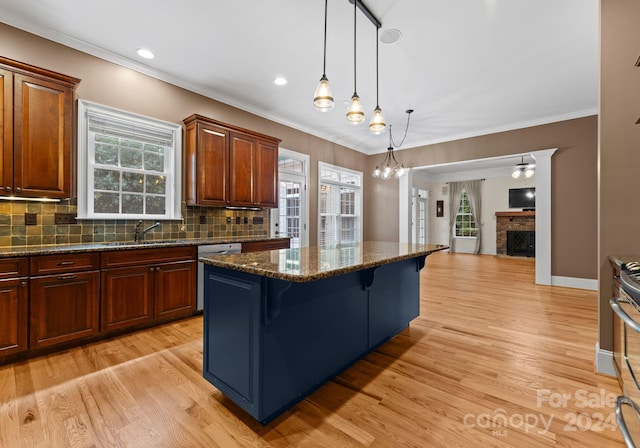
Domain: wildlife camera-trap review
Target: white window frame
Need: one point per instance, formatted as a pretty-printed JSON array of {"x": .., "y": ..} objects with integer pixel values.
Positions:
[
  {"x": 473, "y": 218},
  {"x": 86, "y": 164},
  {"x": 358, "y": 199}
]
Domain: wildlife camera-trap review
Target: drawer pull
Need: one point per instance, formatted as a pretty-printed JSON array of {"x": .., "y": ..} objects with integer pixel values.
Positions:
[
  {"x": 66, "y": 263},
  {"x": 23, "y": 284},
  {"x": 67, "y": 277}
]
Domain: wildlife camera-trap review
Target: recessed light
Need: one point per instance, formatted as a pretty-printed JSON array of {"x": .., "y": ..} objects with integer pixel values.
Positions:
[
  {"x": 144, "y": 53},
  {"x": 390, "y": 36},
  {"x": 280, "y": 81}
]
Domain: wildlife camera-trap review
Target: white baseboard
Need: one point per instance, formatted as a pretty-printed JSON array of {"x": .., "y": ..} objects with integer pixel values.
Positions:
[
  {"x": 574, "y": 282},
  {"x": 604, "y": 361}
]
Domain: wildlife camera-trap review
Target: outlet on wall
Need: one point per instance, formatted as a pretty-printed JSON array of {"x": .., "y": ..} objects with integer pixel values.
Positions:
[{"x": 65, "y": 218}]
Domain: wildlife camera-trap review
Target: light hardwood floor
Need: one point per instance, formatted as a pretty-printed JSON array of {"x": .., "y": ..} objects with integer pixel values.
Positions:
[{"x": 492, "y": 361}]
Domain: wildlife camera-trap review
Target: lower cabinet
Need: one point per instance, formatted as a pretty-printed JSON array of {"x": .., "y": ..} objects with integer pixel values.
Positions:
[
  {"x": 64, "y": 308},
  {"x": 13, "y": 316},
  {"x": 144, "y": 286}
]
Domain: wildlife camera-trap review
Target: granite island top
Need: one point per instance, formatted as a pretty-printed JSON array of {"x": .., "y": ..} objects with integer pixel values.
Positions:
[
  {"x": 317, "y": 262},
  {"x": 49, "y": 249}
]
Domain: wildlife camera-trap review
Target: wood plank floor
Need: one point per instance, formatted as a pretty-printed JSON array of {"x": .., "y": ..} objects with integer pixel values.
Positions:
[{"x": 493, "y": 361}]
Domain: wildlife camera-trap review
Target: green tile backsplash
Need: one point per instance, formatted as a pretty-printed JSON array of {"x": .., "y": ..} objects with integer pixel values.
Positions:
[{"x": 14, "y": 232}]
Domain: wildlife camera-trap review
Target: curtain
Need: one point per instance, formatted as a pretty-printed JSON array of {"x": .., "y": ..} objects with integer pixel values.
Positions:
[
  {"x": 455, "y": 192},
  {"x": 472, "y": 187}
]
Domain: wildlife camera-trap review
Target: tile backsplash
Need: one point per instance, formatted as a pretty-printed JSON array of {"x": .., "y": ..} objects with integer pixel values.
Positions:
[{"x": 198, "y": 222}]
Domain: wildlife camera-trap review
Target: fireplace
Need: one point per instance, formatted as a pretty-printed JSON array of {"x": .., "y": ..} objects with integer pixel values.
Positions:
[
  {"x": 521, "y": 243},
  {"x": 515, "y": 221}
]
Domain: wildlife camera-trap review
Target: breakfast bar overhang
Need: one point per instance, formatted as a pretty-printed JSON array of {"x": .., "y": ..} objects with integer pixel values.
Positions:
[{"x": 279, "y": 324}]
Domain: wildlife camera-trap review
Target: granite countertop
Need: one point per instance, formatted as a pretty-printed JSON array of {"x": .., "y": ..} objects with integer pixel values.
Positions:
[
  {"x": 314, "y": 263},
  {"x": 48, "y": 249},
  {"x": 622, "y": 259}
]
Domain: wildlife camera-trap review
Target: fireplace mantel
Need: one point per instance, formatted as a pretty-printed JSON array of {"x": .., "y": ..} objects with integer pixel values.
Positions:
[{"x": 514, "y": 214}]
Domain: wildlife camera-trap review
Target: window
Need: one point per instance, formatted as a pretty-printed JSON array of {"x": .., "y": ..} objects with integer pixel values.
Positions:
[
  {"x": 465, "y": 222},
  {"x": 339, "y": 205},
  {"x": 291, "y": 217},
  {"x": 128, "y": 165}
]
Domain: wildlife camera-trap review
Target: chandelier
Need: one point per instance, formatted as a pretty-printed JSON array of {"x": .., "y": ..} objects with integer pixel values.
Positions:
[
  {"x": 528, "y": 169},
  {"x": 390, "y": 167}
]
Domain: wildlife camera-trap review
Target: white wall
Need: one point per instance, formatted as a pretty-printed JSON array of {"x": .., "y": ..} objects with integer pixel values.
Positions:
[{"x": 495, "y": 198}]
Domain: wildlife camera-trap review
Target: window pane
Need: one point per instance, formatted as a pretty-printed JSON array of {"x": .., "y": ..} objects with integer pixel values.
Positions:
[
  {"x": 106, "y": 202},
  {"x": 132, "y": 203},
  {"x": 154, "y": 205},
  {"x": 155, "y": 184},
  {"x": 106, "y": 154},
  {"x": 130, "y": 158},
  {"x": 106, "y": 180},
  {"x": 153, "y": 161},
  {"x": 133, "y": 182}
]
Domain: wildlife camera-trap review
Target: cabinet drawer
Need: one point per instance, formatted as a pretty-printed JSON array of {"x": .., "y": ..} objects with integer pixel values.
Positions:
[
  {"x": 14, "y": 267},
  {"x": 255, "y": 246},
  {"x": 53, "y": 264},
  {"x": 131, "y": 257}
]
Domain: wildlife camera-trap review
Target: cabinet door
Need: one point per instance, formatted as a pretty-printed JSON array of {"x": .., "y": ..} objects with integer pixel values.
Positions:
[
  {"x": 242, "y": 170},
  {"x": 207, "y": 181},
  {"x": 127, "y": 297},
  {"x": 42, "y": 120},
  {"x": 175, "y": 288},
  {"x": 13, "y": 316},
  {"x": 266, "y": 176},
  {"x": 64, "y": 308},
  {"x": 6, "y": 125}
]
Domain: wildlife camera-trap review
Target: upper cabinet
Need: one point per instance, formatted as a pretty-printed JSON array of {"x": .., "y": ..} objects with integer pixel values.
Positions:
[
  {"x": 229, "y": 166},
  {"x": 37, "y": 131}
]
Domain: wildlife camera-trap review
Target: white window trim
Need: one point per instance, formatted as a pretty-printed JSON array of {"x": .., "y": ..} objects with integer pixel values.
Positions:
[
  {"x": 359, "y": 204},
  {"x": 84, "y": 186},
  {"x": 463, "y": 237}
]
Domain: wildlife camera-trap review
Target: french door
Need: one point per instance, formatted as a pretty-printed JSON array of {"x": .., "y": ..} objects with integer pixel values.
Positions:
[{"x": 292, "y": 202}]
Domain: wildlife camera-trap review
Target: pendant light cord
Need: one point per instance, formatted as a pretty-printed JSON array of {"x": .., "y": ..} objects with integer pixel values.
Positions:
[
  {"x": 324, "y": 62},
  {"x": 377, "y": 82},
  {"x": 355, "y": 14},
  {"x": 391, "y": 142}
]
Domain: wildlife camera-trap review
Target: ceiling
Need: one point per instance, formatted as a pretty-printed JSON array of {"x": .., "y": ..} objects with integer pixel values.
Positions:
[{"x": 467, "y": 67}]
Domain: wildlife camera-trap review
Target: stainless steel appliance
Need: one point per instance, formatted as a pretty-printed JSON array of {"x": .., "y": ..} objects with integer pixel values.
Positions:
[
  {"x": 212, "y": 250},
  {"x": 626, "y": 305}
]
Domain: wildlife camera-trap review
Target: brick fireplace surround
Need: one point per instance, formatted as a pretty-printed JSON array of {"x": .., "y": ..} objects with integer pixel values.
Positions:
[{"x": 512, "y": 221}]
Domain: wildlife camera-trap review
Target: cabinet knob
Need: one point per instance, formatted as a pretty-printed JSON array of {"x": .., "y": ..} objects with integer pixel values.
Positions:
[
  {"x": 7, "y": 188},
  {"x": 151, "y": 269},
  {"x": 158, "y": 269},
  {"x": 23, "y": 284},
  {"x": 18, "y": 189}
]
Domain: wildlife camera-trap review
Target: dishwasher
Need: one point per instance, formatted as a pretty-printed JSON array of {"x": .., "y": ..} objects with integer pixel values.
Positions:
[{"x": 211, "y": 250}]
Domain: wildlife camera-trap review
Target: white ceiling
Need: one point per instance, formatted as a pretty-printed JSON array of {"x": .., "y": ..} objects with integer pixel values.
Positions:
[{"x": 467, "y": 67}]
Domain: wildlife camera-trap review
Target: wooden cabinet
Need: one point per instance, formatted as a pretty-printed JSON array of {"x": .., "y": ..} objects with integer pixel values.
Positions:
[
  {"x": 256, "y": 246},
  {"x": 229, "y": 166},
  {"x": 64, "y": 302},
  {"x": 37, "y": 124},
  {"x": 143, "y": 286},
  {"x": 13, "y": 305}
]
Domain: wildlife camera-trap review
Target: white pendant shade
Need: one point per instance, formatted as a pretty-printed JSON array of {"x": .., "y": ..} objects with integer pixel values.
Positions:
[
  {"x": 323, "y": 100},
  {"x": 355, "y": 114}
]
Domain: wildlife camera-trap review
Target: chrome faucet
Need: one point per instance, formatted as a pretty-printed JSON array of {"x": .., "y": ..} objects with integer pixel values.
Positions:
[{"x": 138, "y": 236}]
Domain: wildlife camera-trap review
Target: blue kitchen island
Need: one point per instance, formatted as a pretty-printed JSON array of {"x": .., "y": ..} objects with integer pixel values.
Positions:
[{"x": 279, "y": 324}]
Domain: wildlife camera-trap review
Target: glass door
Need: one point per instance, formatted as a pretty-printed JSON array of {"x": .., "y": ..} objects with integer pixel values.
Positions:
[
  {"x": 289, "y": 222},
  {"x": 420, "y": 216}
]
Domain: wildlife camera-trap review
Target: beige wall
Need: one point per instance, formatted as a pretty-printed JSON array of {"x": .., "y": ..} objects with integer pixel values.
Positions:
[
  {"x": 574, "y": 186},
  {"x": 619, "y": 149},
  {"x": 116, "y": 86}
]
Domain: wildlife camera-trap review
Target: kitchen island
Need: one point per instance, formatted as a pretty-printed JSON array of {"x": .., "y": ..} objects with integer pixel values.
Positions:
[{"x": 279, "y": 324}]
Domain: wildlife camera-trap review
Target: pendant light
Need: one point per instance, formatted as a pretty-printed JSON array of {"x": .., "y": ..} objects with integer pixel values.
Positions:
[
  {"x": 323, "y": 100},
  {"x": 377, "y": 124},
  {"x": 355, "y": 114}
]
